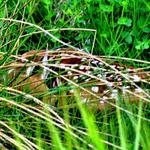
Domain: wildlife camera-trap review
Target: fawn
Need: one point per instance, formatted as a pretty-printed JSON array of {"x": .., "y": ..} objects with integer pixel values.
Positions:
[{"x": 96, "y": 81}]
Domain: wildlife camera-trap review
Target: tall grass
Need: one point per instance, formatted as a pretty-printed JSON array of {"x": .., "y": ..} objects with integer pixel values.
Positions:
[{"x": 119, "y": 28}]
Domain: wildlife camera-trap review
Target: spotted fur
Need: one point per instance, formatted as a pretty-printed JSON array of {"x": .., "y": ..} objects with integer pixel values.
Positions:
[{"x": 99, "y": 82}]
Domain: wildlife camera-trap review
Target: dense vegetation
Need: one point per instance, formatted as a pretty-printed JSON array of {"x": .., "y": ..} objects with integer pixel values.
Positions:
[{"x": 103, "y": 27}]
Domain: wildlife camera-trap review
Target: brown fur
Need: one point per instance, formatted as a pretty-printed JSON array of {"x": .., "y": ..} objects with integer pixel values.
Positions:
[{"x": 37, "y": 86}]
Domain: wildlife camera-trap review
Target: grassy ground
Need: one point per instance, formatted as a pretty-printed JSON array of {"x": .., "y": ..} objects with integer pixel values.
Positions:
[{"x": 113, "y": 27}]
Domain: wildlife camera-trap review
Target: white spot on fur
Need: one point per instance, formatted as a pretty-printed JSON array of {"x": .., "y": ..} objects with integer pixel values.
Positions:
[
  {"x": 104, "y": 98},
  {"x": 65, "y": 55},
  {"x": 69, "y": 73},
  {"x": 136, "y": 78},
  {"x": 120, "y": 83},
  {"x": 100, "y": 63},
  {"x": 101, "y": 102},
  {"x": 95, "y": 89},
  {"x": 62, "y": 65},
  {"x": 94, "y": 62},
  {"x": 88, "y": 72},
  {"x": 112, "y": 76},
  {"x": 119, "y": 79},
  {"x": 114, "y": 94},
  {"x": 130, "y": 70},
  {"x": 83, "y": 59},
  {"x": 110, "y": 84},
  {"x": 74, "y": 65},
  {"x": 87, "y": 67},
  {"x": 81, "y": 67},
  {"x": 75, "y": 77}
]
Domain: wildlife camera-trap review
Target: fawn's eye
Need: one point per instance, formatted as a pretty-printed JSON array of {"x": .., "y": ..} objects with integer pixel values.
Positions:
[{"x": 95, "y": 89}]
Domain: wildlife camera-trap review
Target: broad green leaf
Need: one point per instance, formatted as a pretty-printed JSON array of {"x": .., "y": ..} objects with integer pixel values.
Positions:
[
  {"x": 47, "y": 2},
  {"x": 146, "y": 30},
  {"x": 146, "y": 45},
  {"x": 142, "y": 45},
  {"x": 106, "y": 8},
  {"x": 124, "y": 21},
  {"x": 128, "y": 39},
  {"x": 127, "y": 36},
  {"x": 135, "y": 32}
]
